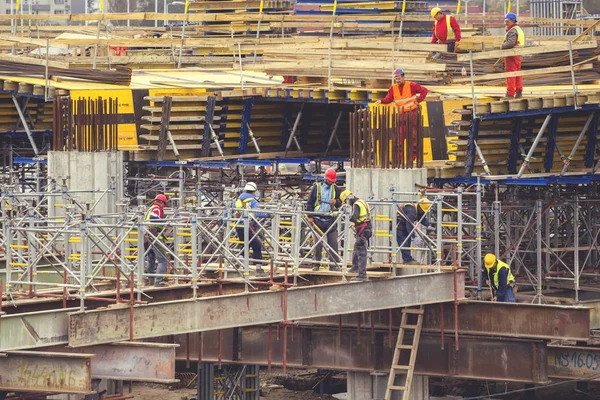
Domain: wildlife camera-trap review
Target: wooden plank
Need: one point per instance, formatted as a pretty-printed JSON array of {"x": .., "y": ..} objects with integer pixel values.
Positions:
[
  {"x": 164, "y": 127},
  {"x": 520, "y": 51},
  {"x": 528, "y": 72},
  {"x": 33, "y": 61}
]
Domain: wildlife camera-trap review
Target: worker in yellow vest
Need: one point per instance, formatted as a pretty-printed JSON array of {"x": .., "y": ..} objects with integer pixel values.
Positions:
[
  {"x": 514, "y": 38},
  {"x": 406, "y": 96},
  {"x": 361, "y": 218},
  {"x": 445, "y": 29},
  {"x": 500, "y": 279}
]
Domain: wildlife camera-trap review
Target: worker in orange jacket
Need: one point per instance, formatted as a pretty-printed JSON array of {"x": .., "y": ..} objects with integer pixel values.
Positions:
[
  {"x": 406, "y": 96},
  {"x": 514, "y": 38},
  {"x": 445, "y": 29}
]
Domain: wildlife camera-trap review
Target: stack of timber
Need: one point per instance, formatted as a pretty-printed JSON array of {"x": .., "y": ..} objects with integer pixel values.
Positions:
[
  {"x": 38, "y": 114},
  {"x": 270, "y": 122},
  {"x": 500, "y": 140},
  {"x": 542, "y": 65}
]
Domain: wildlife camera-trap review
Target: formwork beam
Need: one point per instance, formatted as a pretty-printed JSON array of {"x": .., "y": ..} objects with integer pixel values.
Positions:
[
  {"x": 48, "y": 372},
  {"x": 132, "y": 361},
  {"x": 34, "y": 329},
  {"x": 346, "y": 349},
  {"x": 159, "y": 319}
]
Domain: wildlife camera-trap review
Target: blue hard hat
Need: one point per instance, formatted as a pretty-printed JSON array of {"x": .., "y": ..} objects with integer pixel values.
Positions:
[
  {"x": 399, "y": 72},
  {"x": 511, "y": 15}
]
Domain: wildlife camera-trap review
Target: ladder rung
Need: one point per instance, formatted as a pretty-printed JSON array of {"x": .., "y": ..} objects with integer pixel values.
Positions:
[
  {"x": 397, "y": 387},
  {"x": 413, "y": 311},
  {"x": 409, "y": 326},
  {"x": 401, "y": 367},
  {"x": 406, "y": 347}
]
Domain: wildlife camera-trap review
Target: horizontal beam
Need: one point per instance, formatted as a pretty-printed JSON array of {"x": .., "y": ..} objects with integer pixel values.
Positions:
[
  {"x": 35, "y": 329},
  {"x": 518, "y": 320},
  {"x": 28, "y": 371},
  {"x": 321, "y": 347},
  {"x": 206, "y": 314},
  {"x": 521, "y": 51},
  {"x": 571, "y": 362},
  {"x": 130, "y": 361}
]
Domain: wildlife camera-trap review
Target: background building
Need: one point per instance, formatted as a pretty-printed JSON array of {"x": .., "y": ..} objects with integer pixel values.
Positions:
[{"x": 38, "y": 6}]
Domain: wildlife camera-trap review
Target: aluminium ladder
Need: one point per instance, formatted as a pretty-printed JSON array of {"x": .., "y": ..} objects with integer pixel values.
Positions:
[{"x": 401, "y": 373}]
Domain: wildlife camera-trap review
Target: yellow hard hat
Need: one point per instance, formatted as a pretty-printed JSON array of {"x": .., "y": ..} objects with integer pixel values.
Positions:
[
  {"x": 344, "y": 195},
  {"x": 424, "y": 204},
  {"x": 489, "y": 260},
  {"x": 435, "y": 11}
]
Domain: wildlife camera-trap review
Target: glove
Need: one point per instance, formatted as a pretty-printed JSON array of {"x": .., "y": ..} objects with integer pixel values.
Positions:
[
  {"x": 418, "y": 242},
  {"x": 431, "y": 230}
]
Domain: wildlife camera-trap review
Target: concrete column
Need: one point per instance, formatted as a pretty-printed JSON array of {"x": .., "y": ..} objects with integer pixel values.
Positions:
[{"x": 372, "y": 386}]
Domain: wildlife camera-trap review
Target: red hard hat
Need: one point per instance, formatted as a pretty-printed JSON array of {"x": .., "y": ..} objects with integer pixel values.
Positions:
[
  {"x": 161, "y": 197},
  {"x": 330, "y": 174}
]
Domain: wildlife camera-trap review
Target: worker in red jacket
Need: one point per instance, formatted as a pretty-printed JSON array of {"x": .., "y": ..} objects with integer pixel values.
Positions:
[
  {"x": 445, "y": 29},
  {"x": 514, "y": 38},
  {"x": 406, "y": 96}
]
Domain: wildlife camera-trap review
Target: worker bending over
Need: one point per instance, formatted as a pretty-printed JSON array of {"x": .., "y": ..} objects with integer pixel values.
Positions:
[
  {"x": 499, "y": 279},
  {"x": 248, "y": 200},
  {"x": 324, "y": 197},
  {"x": 156, "y": 250},
  {"x": 408, "y": 220},
  {"x": 361, "y": 218},
  {"x": 514, "y": 38},
  {"x": 445, "y": 29}
]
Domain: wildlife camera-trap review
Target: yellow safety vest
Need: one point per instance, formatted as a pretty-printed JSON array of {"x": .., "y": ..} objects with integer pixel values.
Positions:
[
  {"x": 450, "y": 36},
  {"x": 364, "y": 213},
  {"x": 509, "y": 278},
  {"x": 318, "y": 196},
  {"x": 242, "y": 204},
  {"x": 153, "y": 228},
  {"x": 520, "y": 36}
]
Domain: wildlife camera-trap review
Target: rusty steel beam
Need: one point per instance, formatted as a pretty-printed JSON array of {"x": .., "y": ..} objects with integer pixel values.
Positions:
[
  {"x": 574, "y": 362},
  {"x": 206, "y": 314},
  {"x": 28, "y": 371},
  {"x": 130, "y": 361},
  {"x": 520, "y": 320},
  {"x": 330, "y": 348},
  {"x": 36, "y": 329}
]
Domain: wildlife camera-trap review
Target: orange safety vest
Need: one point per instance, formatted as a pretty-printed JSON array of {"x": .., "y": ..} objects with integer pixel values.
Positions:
[{"x": 404, "y": 98}]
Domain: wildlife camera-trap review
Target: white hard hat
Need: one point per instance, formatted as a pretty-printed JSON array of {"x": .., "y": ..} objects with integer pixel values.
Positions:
[{"x": 250, "y": 187}]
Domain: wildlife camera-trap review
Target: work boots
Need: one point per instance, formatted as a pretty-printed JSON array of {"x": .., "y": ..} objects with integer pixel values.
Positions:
[{"x": 519, "y": 95}]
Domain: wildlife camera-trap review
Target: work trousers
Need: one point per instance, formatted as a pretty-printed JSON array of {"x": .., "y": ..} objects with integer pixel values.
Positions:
[
  {"x": 157, "y": 254},
  {"x": 403, "y": 239},
  {"x": 255, "y": 244},
  {"x": 409, "y": 127},
  {"x": 514, "y": 84},
  {"x": 451, "y": 47},
  {"x": 509, "y": 296},
  {"x": 359, "y": 253},
  {"x": 332, "y": 240}
]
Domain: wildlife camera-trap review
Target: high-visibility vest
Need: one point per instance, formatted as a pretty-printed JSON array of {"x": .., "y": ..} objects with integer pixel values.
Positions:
[
  {"x": 364, "y": 214},
  {"x": 319, "y": 195},
  {"x": 153, "y": 228},
  {"x": 403, "y": 98},
  {"x": 450, "y": 36},
  {"x": 239, "y": 203},
  {"x": 520, "y": 36},
  {"x": 509, "y": 277}
]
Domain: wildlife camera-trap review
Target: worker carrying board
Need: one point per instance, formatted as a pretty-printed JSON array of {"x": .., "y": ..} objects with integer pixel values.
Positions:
[
  {"x": 446, "y": 29},
  {"x": 500, "y": 279}
]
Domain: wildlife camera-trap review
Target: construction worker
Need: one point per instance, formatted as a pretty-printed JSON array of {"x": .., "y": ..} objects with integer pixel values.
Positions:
[
  {"x": 500, "y": 280},
  {"x": 445, "y": 29},
  {"x": 409, "y": 218},
  {"x": 156, "y": 247},
  {"x": 324, "y": 197},
  {"x": 361, "y": 218},
  {"x": 514, "y": 38},
  {"x": 406, "y": 95},
  {"x": 248, "y": 200}
]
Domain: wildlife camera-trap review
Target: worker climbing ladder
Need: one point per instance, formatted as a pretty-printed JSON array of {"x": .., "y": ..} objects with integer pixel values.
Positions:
[{"x": 405, "y": 354}]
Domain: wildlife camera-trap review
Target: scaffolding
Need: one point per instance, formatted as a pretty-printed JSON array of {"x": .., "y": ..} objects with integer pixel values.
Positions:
[{"x": 557, "y": 9}]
